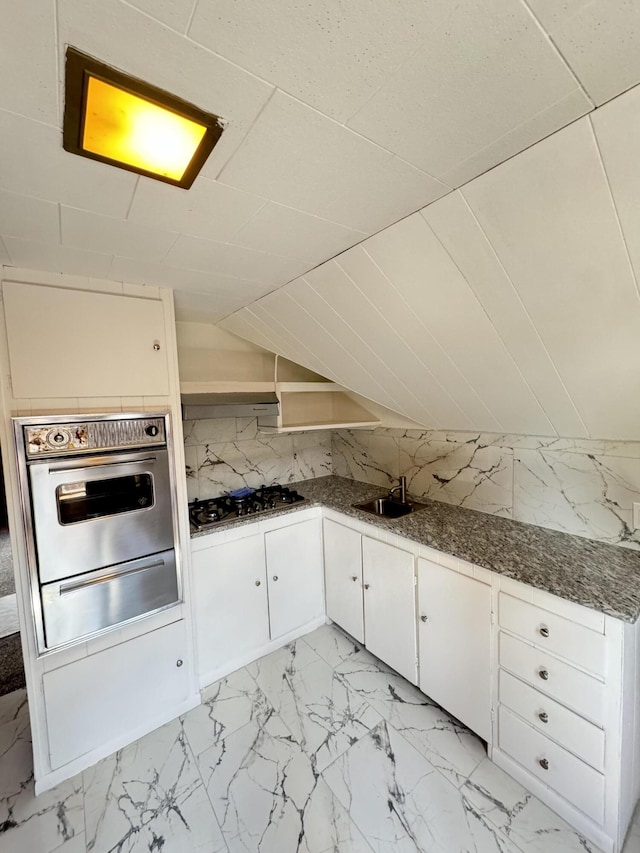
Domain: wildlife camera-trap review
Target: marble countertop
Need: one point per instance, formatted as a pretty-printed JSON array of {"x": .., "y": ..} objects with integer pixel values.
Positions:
[{"x": 593, "y": 574}]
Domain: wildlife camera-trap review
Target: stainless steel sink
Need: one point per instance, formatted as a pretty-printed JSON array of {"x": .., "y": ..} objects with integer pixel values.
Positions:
[{"x": 388, "y": 508}]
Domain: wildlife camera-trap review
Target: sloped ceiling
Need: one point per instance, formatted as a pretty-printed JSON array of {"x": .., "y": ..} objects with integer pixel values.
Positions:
[
  {"x": 342, "y": 118},
  {"x": 511, "y": 305}
]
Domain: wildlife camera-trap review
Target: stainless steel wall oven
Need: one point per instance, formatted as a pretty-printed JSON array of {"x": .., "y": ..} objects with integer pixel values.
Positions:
[{"x": 98, "y": 501}]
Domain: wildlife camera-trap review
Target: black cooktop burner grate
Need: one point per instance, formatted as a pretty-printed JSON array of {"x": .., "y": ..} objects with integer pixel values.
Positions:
[{"x": 204, "y": 514}]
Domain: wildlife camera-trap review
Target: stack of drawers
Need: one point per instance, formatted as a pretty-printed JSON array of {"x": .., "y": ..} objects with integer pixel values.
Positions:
[{"x": 551, "y": 692}]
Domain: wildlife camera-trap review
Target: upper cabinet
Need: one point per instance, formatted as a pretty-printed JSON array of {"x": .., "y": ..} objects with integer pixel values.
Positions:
[{"x": 75, "y": 343}]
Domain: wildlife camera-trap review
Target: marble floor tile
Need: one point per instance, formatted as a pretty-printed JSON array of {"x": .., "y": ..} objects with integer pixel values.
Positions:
[
  {"x": 268, "y": 798},
  {"x": 445, "y": 742},
  {"x": 289, "y": 659},
  {"x": 632, "y": 841},
  {"x": 401, "y": 804},
  {"x": 226, "y": 706},
  {"x": 332, "y": 644},
  {"x": 520, "y": 816},
  {"x": 54, "y": 821},
  {"x": 320, "y": 710},
  {"x": 13, "y": 705},
  {"x": 9, "y": 615},
  {"x": 150, "y": 797}
]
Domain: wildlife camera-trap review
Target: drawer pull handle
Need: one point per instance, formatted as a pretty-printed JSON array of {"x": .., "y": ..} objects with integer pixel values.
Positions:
[
  {"x": 543, "y": 717},
  {"x": 544, "y": 763},
  {"x": 423, "y": 618},
  {"x": 544, "y": 674},
  {"x": 354, "y": 578},
  {"x": 258, "y": 583},
  {"x": 544, "y": 631}
]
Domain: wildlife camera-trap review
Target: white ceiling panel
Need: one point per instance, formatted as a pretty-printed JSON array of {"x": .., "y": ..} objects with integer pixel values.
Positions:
[
  {"x": 195, "y": 253},
  {"x": 558, "y": 115},
  {"x": 208, "y": 209},
  {"x": 243, "y": 324},
  {"x": 28, "y": 218},
  {"x": 507, "y": 73},
  {"x": 300, "y": 158},
  {"x": 552, "y": 13},
  {"x": 84, "y": 230},
  {"x": 422, "y": 272},
  {"x": 29, "y": 71},
  {"x": 372, "y": 353},
  {"x": 549, "y": 216},
  {"x": 193, "y": 307},
  {"x": 330, "y": 54},
  {"x": 32, "y": 162},
  {"x": 444, "y": 389},
  {"x": 121, "y": 36},
  {"x": 457, "y": 229},
  {"x": 55, "y": 258},
  {"x": 617, "y": 129},
  {"x": 293, "y": 233},
  {"x": 4, "y": 255},
  {"x": 174, "y": 13},
  {"x": 600, "y": 40}
]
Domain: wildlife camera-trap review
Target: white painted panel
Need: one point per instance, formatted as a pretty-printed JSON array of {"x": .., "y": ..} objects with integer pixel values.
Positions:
[
  {"x": 455, "y": 644},
  {"x": 84, "y": 230},
  {"x": 421, "y": 271},
  {"x": 174, "y": 13},
  {"x": 389, "y": 606},
  {"x": 231, "y": 612},
  {"x": 617, "y": 129},
  {"x": 291, "y": 45},
  {"x": 507, "y": 72},
  {"x": 343, "y": 578},
  {"x": 329, "y": 350},
  {"x": 294, "y": 575},
  {"x": 329, "y": 296},
  {"x": 29, "y": 218},
  {"x": 445, "y": 391},
  {"x": 102, "y": 697},
  {"x": 549, "y": 216},
  {"x": 298, "y": 157},
  {"x": 103, "y": 343},
  {"x": 456, "y": 227},
  {"x": 600, "y": 40}
]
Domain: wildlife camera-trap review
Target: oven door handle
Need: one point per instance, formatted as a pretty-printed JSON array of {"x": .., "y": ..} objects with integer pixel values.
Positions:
[
  {"x": 93, "y": 465},
  {"x": 72, "y": 587}
]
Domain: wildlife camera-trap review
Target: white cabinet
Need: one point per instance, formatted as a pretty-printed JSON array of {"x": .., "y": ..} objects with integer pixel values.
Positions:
[
  {"x": 343, "y": 578},
  {"x": 389, "y": 606},
  {"x": 294, "y": 571},
  {"x": 74, "y": 343},
  {"x": 455, "y": 644},
  {"x": 230, "y": 595},
  {"x": 114, "y": 696}
]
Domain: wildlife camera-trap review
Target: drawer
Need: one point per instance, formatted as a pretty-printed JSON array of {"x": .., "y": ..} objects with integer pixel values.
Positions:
[
  {"x": 557, "y": 679},
  {"x": 553, "y": 720},
  {"x": 579, "y": 645},
  {"x": 571, "y": 778}
]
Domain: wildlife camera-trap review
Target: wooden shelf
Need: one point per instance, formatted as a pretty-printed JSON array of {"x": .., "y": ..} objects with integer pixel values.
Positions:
[{"x": 314, "y": 406}]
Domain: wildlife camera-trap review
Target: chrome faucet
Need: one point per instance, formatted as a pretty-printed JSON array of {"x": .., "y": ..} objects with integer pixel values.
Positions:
[{"x": 402, "y": 488}]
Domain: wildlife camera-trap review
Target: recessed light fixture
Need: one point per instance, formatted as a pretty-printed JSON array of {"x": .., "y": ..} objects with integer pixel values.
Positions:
[{"x": 117, "y": 119}]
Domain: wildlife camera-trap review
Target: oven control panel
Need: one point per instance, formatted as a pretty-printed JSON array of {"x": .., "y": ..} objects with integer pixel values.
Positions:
[{"x": 77, "y": 437}]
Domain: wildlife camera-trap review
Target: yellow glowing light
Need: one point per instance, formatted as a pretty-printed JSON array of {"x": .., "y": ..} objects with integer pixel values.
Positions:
[{"x": 132, "y": 130}]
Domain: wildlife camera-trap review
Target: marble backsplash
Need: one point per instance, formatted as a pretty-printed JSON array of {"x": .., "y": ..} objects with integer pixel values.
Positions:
[
  {"x": 579, "y": 486},
  {"x": 227, "y": 453}
]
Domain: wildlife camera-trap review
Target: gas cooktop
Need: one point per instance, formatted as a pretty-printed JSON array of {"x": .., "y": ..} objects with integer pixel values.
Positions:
[{"x": 204, "y": 514}]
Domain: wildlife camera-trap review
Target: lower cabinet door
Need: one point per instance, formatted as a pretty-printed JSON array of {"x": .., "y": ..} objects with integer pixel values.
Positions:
[
  {"x": 294, "y": 571},
  {"x": 389, "y": 606},
  {"x": 454, "y": 633},
  {"x": 343, "y": 577},
  {"x": 118, "y": 692},
  {"x": 230, "y": 603}
]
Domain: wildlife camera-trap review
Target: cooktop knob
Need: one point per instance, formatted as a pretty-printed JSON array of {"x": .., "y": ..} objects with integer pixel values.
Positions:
[{"x": 152, "y": 430}]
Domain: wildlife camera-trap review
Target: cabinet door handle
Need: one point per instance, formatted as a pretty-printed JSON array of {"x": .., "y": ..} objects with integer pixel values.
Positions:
[
  {"x": 275, "y": 577},
  {"x": 543, "y": 717},
  {"x": 258, "y": 583},
  {"x": 423, "y": 618},
  {"x": 366, "y": 586},
  {"x": 543, "y": 631},
  {"x": 179, "y": 662},
  {"x": 354, "y": 578},
  {"x": 544, "y": 674},
  {"x": 543, "y": 762}
]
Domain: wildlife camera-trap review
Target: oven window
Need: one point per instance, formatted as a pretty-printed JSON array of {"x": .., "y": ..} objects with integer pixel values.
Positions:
[{"x": 101, "y": 498}]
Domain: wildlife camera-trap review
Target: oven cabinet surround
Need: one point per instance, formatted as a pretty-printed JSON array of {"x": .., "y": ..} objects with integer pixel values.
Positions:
[
  {"x": 88, "y": 344},
  {"x": 255, "y": 589}
]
